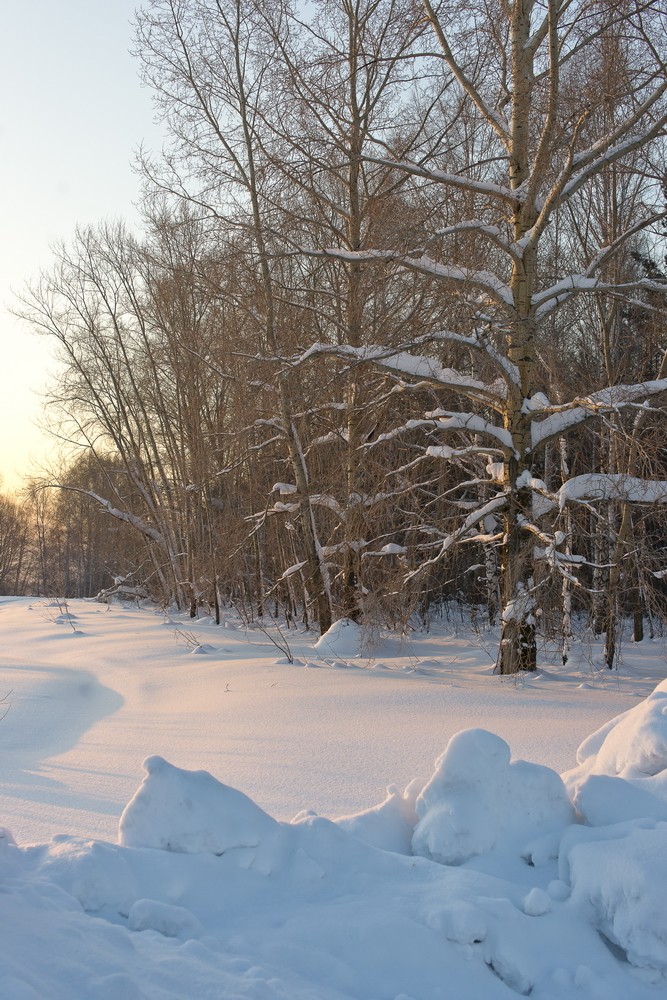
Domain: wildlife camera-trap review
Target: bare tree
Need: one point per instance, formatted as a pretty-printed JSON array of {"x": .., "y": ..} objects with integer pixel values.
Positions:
[
  {"x": 545, "y": 145},
  {"x": 208, "y": 69},
  {"x": 14, "y": 546}
]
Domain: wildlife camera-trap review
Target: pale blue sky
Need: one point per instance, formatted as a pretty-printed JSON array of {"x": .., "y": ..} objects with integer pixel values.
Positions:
[{"x": 72, "y": 112}]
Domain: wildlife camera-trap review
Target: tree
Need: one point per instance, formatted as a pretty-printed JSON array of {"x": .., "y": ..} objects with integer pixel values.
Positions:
[
  {"x": 209, "y": 73},
  {"x": 14, "y": 546},
  {"x": 432, "y": 193},
  {"x": 515, "y": 67}
]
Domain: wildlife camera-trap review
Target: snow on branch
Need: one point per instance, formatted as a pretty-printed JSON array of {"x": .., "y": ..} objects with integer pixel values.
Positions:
[
  {"x": 416, "y": 366},
  {"x": 471, "y": 521},
  {"x": 283, "y": 508},
  {"x": 489, "y": 282},
  {"x": 291, "y": 570},
  {"x": 562, "y": 290},
  {"x": 575, "y": 284},
  {"x": 324, "y": 500},
  {"x": 624, "y": 139},
  {"x": 498, "y": 191},
  {"x": 579, "y": 410},
  {"x": 444, "y": 451},
  {"x": 453, "y": 421},
  {"x": 612, "y": 486},
  {"x": 121, "y": 515},
  {"x": 390, "y": 549},
  {"x": 480, "y": 228},
  {"x": 477, "y": 342},
  {"x": 341, "y": 435},
  {"x": 409, "y": 425},
  {"x": 449, "y": 421},
  {"x": 558, "y": 561}
]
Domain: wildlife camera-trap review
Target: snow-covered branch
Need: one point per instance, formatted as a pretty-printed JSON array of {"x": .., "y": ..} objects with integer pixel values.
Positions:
[
  {"x": 617, "y": 486},
  {"x": 624, "y": 139},
  {"x": 498, "y": 503},
  {"x": 413, "y": 366},
  {"x": 471, "y": 184},
  {"x": 580, "y": 410},
  {"x": 120, "y": 515},
  {"x": 489, "y": 282},
  {"x": 446, "y": 420}
]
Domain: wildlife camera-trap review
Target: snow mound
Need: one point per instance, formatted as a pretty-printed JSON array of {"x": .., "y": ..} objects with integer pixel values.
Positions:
[
  {"x": 166, "y": 919},
  {"x": 622, "y": 768},
  {"x": 203, "y": 648},
  {"x": 347, "y": 640},
  {"x": 389, "y": 825},
  {"x": 602, "y": 800},
  {"x": 635, "y": 743},
  {"x": 342, "y": 639},
  {"x": 192, "y": 812},
  {"x": 93, "y": 873},
  {"x": 479, "y": 799},
  {"x": 622, "y": 871}
]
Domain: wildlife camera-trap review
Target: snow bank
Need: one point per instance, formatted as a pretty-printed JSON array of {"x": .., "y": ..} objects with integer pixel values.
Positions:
[
  {"x": 478, "y": 799},
  {"x": 617, "y": 863},
  {"x": 190, "y": 811},
  {"x": 389, "y": 825},
  {"x": 622, "y": 768},
  {"x": 621, "y": 872},
  {"x": 207, "y": 895}
]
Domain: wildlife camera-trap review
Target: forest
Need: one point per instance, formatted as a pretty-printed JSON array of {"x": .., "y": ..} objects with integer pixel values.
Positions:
[{"x": 391, "y": 333}]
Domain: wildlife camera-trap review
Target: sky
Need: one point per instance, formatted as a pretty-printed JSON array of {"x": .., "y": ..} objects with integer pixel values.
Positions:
[{"x": 72, "y": 115}]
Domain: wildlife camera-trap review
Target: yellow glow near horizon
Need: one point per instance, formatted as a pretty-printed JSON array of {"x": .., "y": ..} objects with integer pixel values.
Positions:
[{"x": 73, "y": 114}]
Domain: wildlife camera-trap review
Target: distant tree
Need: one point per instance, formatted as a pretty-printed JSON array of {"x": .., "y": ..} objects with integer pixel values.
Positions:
[{"x": 14, "y": 546}]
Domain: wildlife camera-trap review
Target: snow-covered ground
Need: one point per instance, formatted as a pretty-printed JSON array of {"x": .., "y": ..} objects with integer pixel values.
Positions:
[{"x": 167, "y": 782}]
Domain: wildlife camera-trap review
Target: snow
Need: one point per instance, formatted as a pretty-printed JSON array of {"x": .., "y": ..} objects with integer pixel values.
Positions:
[
  {"x": 580, "y": 410},
  {"x": 621, "y": 873},
  {"x": 177, "y": 810},
  {"x": 471, "y": 422},
  {"x": 479, "y": 800},
  {"x": 343, "y": 638},
  {"x": 391, "y": 549},
  {"x": 412, "y": 365},
  {"x": 613, "y": 486},
  {"x": 486, "y": 875},
  {"x": 622, "y": 767}
]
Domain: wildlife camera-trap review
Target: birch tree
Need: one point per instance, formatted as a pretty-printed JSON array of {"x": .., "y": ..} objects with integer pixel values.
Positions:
[
  {"x": 515, "y": 67},
  {"x": 347, "y": 73}
]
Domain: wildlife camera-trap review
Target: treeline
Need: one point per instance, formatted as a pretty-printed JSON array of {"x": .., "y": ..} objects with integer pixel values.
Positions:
[
  {"x": 53, "y": 543},
  {"x": 394, "y": 330}
]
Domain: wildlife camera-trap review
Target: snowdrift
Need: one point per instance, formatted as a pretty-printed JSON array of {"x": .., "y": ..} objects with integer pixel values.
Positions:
[{"x": 488, "y": 881}]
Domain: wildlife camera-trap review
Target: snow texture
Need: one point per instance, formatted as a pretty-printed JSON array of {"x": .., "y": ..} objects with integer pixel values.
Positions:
[{"x": 594, "y": 486}]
